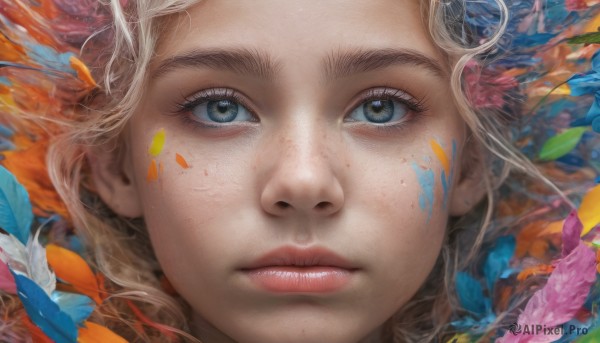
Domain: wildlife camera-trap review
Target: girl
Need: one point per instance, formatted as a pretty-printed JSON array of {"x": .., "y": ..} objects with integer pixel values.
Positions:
[{"x": 299, "y": 171}]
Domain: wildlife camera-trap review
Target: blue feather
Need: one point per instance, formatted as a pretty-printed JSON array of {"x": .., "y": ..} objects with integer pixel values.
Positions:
[
  {"x": 15, "y": 209},
  {"x": 45, "y": 313},
  {"x": 470, "y": 294},
  {"x": 77, "y": 306},
  {"x": 497, "y": 261}
]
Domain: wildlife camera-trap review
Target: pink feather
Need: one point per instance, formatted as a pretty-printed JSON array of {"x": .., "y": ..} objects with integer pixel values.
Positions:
[
  {"x": 571, "y": 232},
  {"x": 7, "y": 281},
  {"x": 564, "y": 293}
]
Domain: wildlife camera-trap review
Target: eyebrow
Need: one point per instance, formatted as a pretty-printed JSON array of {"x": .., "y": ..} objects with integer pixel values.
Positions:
[
  {"x": 338, "y": 64},
  {"x": 348, "y": 62},
  {"x": 240, "y": 60}
]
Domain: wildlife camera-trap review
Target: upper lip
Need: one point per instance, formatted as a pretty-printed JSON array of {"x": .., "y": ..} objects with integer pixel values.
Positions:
[{"x": 292, "y": 256}]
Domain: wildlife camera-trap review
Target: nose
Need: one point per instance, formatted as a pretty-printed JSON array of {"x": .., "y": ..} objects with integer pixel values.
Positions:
[{"x": 301, "y": 173}]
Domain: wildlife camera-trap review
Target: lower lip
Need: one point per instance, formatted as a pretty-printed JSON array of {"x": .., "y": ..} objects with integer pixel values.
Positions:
[{"x": 288, "y": 279}]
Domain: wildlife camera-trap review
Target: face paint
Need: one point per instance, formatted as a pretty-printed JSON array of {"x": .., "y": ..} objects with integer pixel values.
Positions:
[
  {"x": 152, "y": 172},
  {"x": 448, "y": 166},
  {"x": 158, "y": 142},
  {"x": 426, "y": 180},
  {"x": 181, "y": 161}
]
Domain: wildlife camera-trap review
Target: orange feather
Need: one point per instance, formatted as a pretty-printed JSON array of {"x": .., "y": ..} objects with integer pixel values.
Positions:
[
  {"x": 72, "y": 269},
  {"x": 94, "y": 333}
]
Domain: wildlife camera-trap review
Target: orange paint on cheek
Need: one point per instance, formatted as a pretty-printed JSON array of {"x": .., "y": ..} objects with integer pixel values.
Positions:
[
  {"x": 152, "y": 172},
  {"x": 181, "y": 161},
  {"x": 441, "y": 155}
]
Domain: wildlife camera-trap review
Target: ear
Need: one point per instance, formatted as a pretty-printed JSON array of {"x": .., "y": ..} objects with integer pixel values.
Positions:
[
  {"x": 112, "y": 174},
  {"x": 470, "y": 187}
]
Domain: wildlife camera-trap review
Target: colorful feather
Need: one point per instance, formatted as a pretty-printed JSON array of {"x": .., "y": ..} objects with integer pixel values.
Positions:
[
  {"x": 45, "y": 313},
  {"x": 94, "y": 333},
  {"x": 564, "y": 293},
  {"x": 15, "y": 209},
  {"x": 14, "y": 253},
  {"x": 37, "y": 264},
  {"x": 571, "y": 233},
  {"x": 470, "y": 294},
  {"x": 77, "y": 306},
  {"x": 7, "y": 281},
  {"x": 71, "y": 268},
  {"x": 498, "y": 260},
  {"x": 589, "y": 210}
]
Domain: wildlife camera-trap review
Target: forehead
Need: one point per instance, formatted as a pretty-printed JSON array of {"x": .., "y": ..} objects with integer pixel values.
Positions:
[{"x": 294, "y": 30}]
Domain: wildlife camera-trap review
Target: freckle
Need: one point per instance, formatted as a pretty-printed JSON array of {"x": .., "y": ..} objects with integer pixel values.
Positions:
[
  {"x": 205, "y": 172},
  {"x": 402, "y": 183},
  {"x": 347, "y": 165},
  {"x": 412, "y": 205}
]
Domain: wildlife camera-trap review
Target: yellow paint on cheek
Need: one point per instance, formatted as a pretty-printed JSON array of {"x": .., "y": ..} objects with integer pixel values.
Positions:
[
  {"x": 441, "y": 155},
  {"x": 158, "y": 142},
  {"x": 152, "y": 172},
  {"x": 181, "y": 161}
]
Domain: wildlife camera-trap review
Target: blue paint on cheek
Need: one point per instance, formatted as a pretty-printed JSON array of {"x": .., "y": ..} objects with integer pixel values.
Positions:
[
  {"x": 446, "y": 181},
  {"x": 427, "y": 182}
]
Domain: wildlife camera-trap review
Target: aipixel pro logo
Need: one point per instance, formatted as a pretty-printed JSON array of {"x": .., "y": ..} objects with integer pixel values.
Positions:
[{"x": 538, "y": 329}]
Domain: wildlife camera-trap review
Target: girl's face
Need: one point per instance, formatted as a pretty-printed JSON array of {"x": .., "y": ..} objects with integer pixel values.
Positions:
[{"x": 315, "y": 127}]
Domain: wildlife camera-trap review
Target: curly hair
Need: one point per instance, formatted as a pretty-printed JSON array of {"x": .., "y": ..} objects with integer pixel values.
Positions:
[{"x": 120, "y": 247}]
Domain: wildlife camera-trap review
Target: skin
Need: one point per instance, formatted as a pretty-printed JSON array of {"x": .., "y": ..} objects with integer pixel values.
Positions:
[{"x": 344, "y": 185}]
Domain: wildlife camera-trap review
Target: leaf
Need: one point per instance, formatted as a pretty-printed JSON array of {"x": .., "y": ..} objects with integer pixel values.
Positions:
[
  {"x": 77, "y": 306},
  {"x": 561, "y": 144},
  {"x": 591, "y": 337},
  {"x": 45, "y": 313},
  {"x": 73, "y": 269},
  {"x": 16, "y": 213},
  {"x": 586, "y": 38},
  {"x": 94, "y": 333},
  {"x": 589, "y": 209}
]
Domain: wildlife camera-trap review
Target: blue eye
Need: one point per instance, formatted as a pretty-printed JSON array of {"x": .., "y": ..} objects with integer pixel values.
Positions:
[
  {"x": 220, "y": 111},
  {"x": 380, "y": 111}
]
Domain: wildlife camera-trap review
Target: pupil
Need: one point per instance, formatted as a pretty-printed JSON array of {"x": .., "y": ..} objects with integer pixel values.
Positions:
[
  {"x": 379, "y": 111},
  {"x": 223, "y": 106},
  {"x": 377, "y": 106},
  {"x": 222, "y": 111}
]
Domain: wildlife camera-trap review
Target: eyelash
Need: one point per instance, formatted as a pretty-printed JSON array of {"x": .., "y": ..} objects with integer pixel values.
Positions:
[
  {"x": 213, "y": 94},
  {"x": 417, "y": 107}
]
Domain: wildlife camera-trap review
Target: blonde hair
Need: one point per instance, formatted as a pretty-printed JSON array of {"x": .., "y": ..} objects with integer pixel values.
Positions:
[{"x": 120, "y": 248}]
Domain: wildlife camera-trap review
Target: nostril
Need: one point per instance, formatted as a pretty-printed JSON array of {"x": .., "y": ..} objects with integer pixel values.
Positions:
[
  {"x": 282, "y": 204},
  {"x": 323, "y": 205}
]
